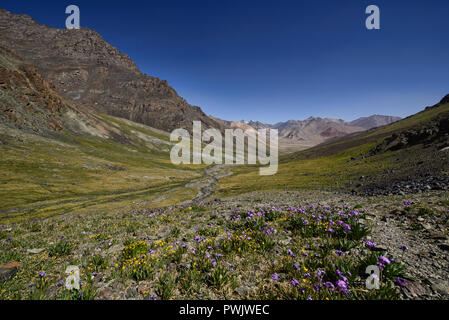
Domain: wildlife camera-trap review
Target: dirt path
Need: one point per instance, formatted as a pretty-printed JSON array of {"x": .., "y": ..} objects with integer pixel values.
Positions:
[{"x": 207, "y": 182}]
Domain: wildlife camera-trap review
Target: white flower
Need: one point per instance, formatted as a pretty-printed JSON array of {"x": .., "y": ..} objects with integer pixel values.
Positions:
[{"x": 73, "y": 280}]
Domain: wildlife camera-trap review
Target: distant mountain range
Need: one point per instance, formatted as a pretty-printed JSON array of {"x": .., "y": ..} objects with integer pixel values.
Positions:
[
  {"x": 84, "y": 69},
  {"x": 302, "y": 134}
]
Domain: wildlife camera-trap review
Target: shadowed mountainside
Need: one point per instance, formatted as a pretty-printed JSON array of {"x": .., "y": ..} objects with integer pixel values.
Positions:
[{"x": 88, "y": 70}]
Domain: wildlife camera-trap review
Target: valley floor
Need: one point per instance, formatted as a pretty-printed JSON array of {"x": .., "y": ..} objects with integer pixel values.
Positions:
[{"x": 259, "y": 245}]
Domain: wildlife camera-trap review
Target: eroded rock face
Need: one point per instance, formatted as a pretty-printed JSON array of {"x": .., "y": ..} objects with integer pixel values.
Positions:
[
  {"x": 88, "y": 70},
  {"x": 27, "y": 101}
]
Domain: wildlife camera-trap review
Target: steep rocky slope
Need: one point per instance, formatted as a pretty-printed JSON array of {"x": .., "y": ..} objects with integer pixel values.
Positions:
[{"x": 86, "y": 69}]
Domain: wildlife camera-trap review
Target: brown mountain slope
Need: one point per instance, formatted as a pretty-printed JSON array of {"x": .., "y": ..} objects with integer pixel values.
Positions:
[
  {"x": 374, "y": 121},
  {"x": 88, "y": 70},
  {"x": 30, "y": 104},
  {"x": 27, "y": 101}
]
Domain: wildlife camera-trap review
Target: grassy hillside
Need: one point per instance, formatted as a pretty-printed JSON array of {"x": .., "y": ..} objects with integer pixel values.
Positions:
[
  {"x": 339, "y": 164},
  {"x": 41, "y": 176}
]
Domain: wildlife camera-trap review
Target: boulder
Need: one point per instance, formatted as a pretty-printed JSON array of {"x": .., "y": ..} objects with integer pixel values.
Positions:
[{"x": 9, "y": 270}]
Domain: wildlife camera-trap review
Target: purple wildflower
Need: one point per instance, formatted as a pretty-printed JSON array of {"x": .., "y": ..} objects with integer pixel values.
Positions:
[
  {"x": 341, "y": 285},
  {"x": 290, "y": 252},
  {"x": 402, "y": 282},
  {"x": 384, "y": 260},
  {"x": 319, "y": 275},
  {"x": 329, "y": 285},
  {"x": 294, "y": 282},
  {"x": 370, "y": 244}
]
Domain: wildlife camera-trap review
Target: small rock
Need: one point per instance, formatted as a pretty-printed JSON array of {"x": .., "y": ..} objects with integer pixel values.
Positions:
[
  {"x": 444, "y": 246},
  {"x": 242, "y": 291},
  {"x": 130, "y": 292},
  {"x": 106, "y": 294},
  {"x": 440, "y": 286},
  {"x": 438, "y": 236},
  {"x": 379, "y": 248},
  {"x": 114, "y": 249},
  {"x": 9, "y": 270},
  {"x": 416, "y": 288},
  {"x": 426, "y": 226},
  {"x": 35, "y": 251}
]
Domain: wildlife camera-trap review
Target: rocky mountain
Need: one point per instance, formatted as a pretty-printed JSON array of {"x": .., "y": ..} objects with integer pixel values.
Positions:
[
  {"x": 315, "y": 128},
  {"x": 86, "y": 69},
  {"x": 234, "y": 124},
  {"x": 30, "y": 104},
  {"x": 30, "y": 107},
  {"x": 27, "y": 102},
  {"x": 374, "y": 121},
  {"x": 259, "y": 125},
  {"x": 302, "y": 134},
  {"x": 296, "y": 135}
]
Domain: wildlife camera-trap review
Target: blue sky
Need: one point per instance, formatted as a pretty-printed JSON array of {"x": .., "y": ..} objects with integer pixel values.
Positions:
[{"x": 277, "y": 60}]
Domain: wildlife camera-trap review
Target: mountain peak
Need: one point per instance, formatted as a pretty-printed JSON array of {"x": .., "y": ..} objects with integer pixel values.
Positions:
[{"x": 86, "y": 69}]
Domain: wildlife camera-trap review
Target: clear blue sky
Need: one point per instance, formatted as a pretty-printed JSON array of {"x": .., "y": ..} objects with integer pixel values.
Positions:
[{"x": 277, "y": 60}]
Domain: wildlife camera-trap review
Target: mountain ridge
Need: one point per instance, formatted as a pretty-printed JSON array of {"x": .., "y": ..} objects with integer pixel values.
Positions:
[
  {"x": 297, "y": 135},
  {"x": 89, "y": 71}
]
